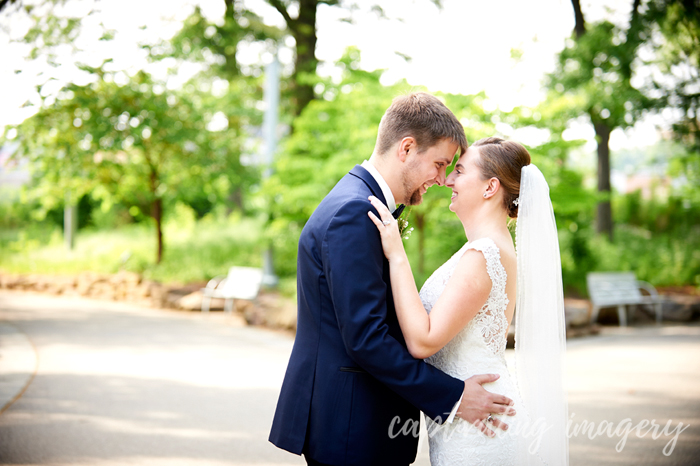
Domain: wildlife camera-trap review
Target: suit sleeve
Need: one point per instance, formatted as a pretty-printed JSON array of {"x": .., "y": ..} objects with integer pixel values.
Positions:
[{"x": 353, "y": 263}]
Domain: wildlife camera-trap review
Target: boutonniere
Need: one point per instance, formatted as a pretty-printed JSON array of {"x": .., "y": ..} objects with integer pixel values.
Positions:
[{"x": 404, "y": 230}]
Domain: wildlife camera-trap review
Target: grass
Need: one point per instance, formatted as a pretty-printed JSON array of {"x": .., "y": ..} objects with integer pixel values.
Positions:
[
  {"x": 197, "y": 250},
  {"x": 194, "y": 251}
]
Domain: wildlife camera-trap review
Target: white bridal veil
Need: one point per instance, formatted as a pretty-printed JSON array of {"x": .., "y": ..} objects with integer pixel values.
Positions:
[{"x": 540, "y": 340}]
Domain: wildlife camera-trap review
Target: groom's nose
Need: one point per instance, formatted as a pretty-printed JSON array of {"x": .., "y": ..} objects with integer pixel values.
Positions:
[{"x": 441, "y": 178}]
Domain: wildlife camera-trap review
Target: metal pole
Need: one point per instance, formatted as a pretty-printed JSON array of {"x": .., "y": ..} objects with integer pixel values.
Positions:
[{"x": 270, "y": 119}]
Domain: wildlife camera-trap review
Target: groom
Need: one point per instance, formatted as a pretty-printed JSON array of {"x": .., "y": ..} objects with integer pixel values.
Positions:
[{"x": 352, "y": 392}]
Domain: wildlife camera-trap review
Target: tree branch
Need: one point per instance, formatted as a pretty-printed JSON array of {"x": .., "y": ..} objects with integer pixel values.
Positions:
[
  {"x": 279, "y": 6},
  {"x": 580, "y": 26},
  {"x": 635, "y": 9},
  {"x": 3, "y": 3}
]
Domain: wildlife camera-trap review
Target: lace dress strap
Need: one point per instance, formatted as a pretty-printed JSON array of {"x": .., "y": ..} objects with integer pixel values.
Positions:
[
  {"x": 494, "y": 267},
  {"x": 490, "y": 321}
]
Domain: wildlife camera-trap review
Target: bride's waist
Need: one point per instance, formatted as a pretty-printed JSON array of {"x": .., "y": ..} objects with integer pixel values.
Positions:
[{"x": 467, "y": 365}]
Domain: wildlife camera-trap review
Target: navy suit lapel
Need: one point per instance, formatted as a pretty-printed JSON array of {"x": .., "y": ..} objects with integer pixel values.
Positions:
[{"x": 369, "y": 180}]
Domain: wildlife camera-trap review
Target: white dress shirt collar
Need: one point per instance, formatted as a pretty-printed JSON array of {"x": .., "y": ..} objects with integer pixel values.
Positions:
[{"x": 386, "y": 190}]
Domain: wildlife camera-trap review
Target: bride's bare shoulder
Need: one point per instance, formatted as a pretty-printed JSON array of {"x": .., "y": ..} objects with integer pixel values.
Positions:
[{"x": 509, "y": 260}]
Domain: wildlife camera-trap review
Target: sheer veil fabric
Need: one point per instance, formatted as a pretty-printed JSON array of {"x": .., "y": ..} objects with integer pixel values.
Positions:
[{"x": 540, "y": 339}]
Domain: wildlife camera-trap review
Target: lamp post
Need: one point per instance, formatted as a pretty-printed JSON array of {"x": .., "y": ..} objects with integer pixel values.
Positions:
[{"x": 271, "y": 96}]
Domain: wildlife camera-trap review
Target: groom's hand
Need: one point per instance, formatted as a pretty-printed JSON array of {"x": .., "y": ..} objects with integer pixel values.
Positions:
[{"x": 477, "y": 404}]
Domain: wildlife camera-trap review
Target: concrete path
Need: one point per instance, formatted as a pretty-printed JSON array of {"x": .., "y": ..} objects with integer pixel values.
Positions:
[
  {"x": 18, "y": 364},
  {"x": 121, "y": 385}
]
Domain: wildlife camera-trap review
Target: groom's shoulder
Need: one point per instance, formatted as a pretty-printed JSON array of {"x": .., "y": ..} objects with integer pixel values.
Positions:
[{"x": 350, "y": 194}]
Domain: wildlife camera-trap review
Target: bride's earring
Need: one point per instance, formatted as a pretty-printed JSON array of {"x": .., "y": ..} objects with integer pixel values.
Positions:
[{"x": 484, "y": 195}]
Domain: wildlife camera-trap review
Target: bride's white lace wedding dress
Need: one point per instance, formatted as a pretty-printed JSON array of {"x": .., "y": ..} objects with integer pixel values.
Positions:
[{"x": 478, "y": 349}]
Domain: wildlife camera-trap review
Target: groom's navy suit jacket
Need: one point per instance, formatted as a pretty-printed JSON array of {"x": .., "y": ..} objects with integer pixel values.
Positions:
[{"x": 350, "y": 379}]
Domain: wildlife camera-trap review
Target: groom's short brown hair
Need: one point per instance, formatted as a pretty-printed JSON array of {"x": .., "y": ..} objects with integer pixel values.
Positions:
[{"x": 422, "y": 116}]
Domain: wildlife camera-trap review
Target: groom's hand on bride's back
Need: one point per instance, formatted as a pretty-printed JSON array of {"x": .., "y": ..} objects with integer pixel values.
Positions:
[{"x": 478, "y": 403}]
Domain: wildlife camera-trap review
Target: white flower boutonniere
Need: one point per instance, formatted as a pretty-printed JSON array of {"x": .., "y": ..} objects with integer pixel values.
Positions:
[{"x": 404, "y": 230}]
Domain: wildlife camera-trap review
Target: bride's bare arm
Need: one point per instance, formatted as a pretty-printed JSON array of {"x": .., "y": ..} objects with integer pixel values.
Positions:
[{"x": 465, "y": 293}]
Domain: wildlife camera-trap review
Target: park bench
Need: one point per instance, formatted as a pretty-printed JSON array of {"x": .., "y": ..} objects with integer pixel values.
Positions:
[
  {"x": 620, "y": 289},
  {"x": 240, "y": 283}
]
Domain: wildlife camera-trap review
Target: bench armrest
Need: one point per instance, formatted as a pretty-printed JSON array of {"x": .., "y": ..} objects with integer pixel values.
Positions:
[
  {"x": 214, "y": 282},
  {"x": 648, "y": 287}
]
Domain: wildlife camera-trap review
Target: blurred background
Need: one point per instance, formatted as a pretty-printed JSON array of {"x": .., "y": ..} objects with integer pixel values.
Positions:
[
  {"x": 172, "y": 140},
  {"x": 146, "y": 147}
]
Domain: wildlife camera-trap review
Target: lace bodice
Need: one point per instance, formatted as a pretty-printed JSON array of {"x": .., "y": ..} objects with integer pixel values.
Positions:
[
  {"x": 490, "y": 322},
  {"x": 479, "y": 348}
]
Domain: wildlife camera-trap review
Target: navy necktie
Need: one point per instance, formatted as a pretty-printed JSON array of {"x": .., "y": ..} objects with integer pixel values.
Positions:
[{"x": 398, "y": 210}]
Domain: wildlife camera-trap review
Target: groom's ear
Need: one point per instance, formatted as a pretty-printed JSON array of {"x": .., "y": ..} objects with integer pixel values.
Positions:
[{"x": 406, "y": 146}]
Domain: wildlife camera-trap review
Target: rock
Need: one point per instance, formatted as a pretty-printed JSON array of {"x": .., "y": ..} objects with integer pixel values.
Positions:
[
  {"x": 102, "y": 290},
  {"x": 680, "y": 308},
  {"x": 582, "y": 331},
  {"x": 236, "y": 320},
  {"x": 577, "y": 312},
  {"x": 284, "y": 316},
  {"x": 275, "y": 311},
  {"x": 254, "y": 315},
  {"x": 143, "y": 290},
  {"x": 35, "y": 283},
  {"x": 61, "y": 285},
  {"x": 124, "y": 277},
  {"x": 8, "y": 281},
  {"x": 171, "y": 298},
  {"x": 86, "y": 281},
  {"x": 190, "y": 302},
  {"x": 158, "y": 294},
  {"x": 242, "y": 306}
]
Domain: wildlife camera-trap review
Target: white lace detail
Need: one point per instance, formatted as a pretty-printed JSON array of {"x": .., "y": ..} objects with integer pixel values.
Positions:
[
  {"x": 478, "y": 349},
  {"x": 490, "y": 321}
]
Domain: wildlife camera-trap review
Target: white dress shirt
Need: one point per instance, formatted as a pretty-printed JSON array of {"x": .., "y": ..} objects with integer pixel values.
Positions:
[{"x": 386, "y": 190}]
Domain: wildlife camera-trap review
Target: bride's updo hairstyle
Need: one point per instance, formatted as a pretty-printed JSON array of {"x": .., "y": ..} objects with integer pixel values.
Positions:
[{"x": 504, "y": 160}]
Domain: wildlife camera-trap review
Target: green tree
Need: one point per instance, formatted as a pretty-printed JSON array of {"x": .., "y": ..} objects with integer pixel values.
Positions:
[
  {"x": 241, "y": 26},
  {"x": 596, "y": 68},
  {"x": 337, "y": 132},
  {"x": 678, "y": 58},
  {"x": 330, "y": 136},
  {"x": 135, "y": 143},
  {"x": 214, "y": 45}
]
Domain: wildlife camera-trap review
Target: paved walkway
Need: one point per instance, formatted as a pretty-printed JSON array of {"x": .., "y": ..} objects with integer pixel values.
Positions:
[{"x": 117, "y": 384}]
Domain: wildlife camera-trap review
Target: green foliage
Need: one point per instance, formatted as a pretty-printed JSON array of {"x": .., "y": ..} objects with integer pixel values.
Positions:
[
  {"x": 215, "y": 45},
  {"x": 596, "y": 70},
  {"x": 124, "y": 141},
  {"x": 661, "y": 259},
  {"x": 330, "y": 137},
  {"x": 334, "y": 134},
  {"x": 678, "y": 58},
  {"x": 131, "y": 144},
  {"x": 198, "y": 249}
]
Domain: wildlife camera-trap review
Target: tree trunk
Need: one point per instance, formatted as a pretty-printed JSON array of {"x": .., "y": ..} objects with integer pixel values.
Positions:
[
  {"x": 604, "y": 215},
  {"x": 236, "y": 198},
  {"x": 304, "y": 32},
  {"x": 231, "y": 29},
  {"x": 157, "y": 214},
  {"x": 580, "y": 26},
  {"x": 602, "y": 130}
]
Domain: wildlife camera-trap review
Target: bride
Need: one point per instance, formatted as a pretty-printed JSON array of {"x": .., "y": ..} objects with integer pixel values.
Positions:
[{"x": 470, "y": 301}]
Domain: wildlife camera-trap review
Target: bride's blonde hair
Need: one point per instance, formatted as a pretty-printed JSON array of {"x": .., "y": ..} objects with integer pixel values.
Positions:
[{"x": 504, "y": 160}]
